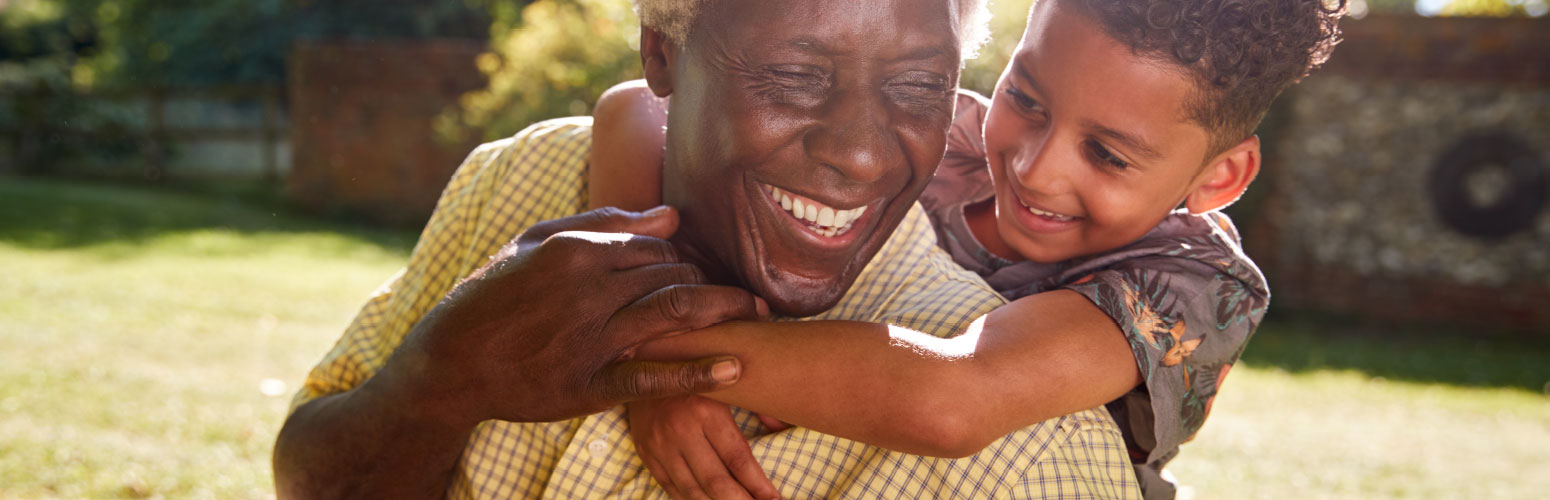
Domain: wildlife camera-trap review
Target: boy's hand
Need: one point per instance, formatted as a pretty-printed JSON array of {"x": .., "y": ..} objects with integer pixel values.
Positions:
[{"x": 695, "y": 451}]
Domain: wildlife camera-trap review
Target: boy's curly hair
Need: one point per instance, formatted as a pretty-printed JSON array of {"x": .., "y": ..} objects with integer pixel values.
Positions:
[{"x": 1242, "y": 53}]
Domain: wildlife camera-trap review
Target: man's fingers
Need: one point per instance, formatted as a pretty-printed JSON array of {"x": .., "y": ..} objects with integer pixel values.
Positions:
[
  {"x": 660, "y": 222},
  {"x": 635, "y": 380},
  {"x": 641, "y": 282},
  {"x": 610, "y": 250},
  {"x": 680, "y": 308},
  {"x": 737, "y": 457}
]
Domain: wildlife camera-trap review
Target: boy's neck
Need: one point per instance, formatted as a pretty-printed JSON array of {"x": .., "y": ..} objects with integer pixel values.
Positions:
[{"x": 981, "y": 219}]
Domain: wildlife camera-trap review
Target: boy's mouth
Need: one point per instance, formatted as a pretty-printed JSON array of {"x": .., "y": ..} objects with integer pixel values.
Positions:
[
  {"x": 1045, "y": 214},
  {"x": 1049, "y": 215}
]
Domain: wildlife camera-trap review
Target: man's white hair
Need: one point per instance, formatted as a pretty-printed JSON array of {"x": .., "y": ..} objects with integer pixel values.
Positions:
[{"x": 674, "y": 19}]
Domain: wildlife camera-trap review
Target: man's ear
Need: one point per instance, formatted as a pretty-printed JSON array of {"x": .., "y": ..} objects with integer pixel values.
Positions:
[
  {"x": 657, "y": 54},
  {"x": 1225, "y": 177}
]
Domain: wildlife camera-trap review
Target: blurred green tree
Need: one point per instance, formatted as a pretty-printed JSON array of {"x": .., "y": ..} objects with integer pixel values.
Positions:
[
  {"x": 551, "y": 58},
  {"x": 554, "y": 58},
  {"x": 154, "y": 43},
  {"x": 1493, "y": 8}
]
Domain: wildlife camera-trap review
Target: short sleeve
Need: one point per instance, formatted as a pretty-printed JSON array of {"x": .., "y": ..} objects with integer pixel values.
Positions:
[
  {"x": 500, "y": 189},
  {"x": 1187, "y": 321},
  {"x": 962, "y": 176}
]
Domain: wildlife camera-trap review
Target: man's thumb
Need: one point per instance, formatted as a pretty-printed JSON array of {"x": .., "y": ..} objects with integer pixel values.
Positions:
[{"x": 633, "y": 380}]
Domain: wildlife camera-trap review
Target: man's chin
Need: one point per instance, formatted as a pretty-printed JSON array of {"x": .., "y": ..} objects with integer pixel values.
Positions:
[{"x": 795, "y": 296}]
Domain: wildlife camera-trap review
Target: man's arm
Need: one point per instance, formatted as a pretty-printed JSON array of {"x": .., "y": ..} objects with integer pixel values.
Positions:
[
  {"x": 537, "y": 334},
  {"x": 1037, "y": 358}
]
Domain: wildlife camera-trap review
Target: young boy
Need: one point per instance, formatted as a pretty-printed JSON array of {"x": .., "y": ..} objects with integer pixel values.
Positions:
[{"x": 1111, "y": 116}]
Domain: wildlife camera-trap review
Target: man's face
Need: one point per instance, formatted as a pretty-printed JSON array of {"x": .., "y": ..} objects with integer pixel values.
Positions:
[
  {"x": 1089, "y": 144},
  {"x": 836, "y": 108}
]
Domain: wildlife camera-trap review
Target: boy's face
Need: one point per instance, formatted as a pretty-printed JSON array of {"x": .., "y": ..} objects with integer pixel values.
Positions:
[{"x": 1089, "y": 144}]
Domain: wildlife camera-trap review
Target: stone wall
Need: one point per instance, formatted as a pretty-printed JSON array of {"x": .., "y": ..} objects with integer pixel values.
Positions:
[{"x": 1353, "y": 221}]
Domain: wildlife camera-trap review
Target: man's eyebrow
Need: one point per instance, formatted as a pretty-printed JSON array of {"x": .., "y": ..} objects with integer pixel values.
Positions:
[
  {"x": 1131, "y": 141},
  {"x": 931, "y": 51},
  {"x": 817, "y": 46},
  {"x": 810, "y": 45}
]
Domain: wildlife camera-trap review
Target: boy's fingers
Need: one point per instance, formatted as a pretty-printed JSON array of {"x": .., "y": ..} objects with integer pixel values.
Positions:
[
  {"x": 738, "y": 458},
  {"x": 659, "y": 473},
  {"x": 772, "y": 423},
  {"x": 714, "y": 478},
  {"x": 683, "y": 478}
]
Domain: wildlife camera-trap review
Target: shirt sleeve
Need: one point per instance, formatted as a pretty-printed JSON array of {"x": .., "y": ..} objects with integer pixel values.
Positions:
[
  {"x": 500, "y": 189},
  {"x": 1187, "y": 321},
  {"x": 962, "y": 176}
]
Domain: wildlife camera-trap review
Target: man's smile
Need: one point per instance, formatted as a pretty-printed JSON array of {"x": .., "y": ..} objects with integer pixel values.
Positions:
[{"x": 821, "y": 219}]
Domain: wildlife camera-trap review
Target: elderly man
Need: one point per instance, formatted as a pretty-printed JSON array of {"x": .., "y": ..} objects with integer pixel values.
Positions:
[{"x": 439, "y": 385}]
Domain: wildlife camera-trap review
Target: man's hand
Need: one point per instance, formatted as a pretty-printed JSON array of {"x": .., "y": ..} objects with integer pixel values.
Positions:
[
  {"x": 545, "y": 330},
  {"x": 695, "y": 451}
]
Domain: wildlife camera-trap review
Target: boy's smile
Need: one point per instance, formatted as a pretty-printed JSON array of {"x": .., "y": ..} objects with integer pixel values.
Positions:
[{"x": 1089, "y": 143}]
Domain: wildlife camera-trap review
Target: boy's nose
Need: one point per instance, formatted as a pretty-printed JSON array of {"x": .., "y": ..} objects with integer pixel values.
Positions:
[{"x": 1043, "y": 169}]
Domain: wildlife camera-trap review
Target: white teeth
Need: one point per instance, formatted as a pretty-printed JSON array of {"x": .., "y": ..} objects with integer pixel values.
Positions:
[
  {"x": 1042, "y": 213},
  {"x": 822, "y": 220}
]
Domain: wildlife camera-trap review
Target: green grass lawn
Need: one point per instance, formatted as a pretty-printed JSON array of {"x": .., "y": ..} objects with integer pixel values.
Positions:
[{"x": 144, "y": 334}]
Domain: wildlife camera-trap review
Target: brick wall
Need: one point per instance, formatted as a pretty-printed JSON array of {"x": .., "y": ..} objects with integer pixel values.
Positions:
[{"x": 361, "y": 125}]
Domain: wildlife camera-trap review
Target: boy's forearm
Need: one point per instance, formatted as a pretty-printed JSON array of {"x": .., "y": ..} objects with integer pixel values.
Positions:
[
  {"x": 1037, "y": 358},
  {"x": 855, "y": 380}
]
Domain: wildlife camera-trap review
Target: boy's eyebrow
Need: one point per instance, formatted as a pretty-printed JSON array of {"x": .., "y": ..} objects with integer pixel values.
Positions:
[
  {"x": 1022, "y": 70},
  {"x": 1132, "y": 142}
]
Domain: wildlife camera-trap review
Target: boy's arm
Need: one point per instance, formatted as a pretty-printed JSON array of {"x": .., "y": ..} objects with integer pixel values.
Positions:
[
  {"x": 628, "y": 134},
  {"x": 1036, "y": 358}
]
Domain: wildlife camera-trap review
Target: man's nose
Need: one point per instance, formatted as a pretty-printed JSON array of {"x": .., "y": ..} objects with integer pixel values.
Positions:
[{"x": 853, "y": 137}]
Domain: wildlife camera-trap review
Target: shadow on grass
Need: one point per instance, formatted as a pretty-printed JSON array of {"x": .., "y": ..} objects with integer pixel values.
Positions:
[
  {"x": 1307, "y": 342},
  {"x": 41, "y": 213}
]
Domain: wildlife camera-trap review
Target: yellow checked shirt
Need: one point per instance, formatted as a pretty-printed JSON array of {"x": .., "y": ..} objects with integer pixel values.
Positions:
[{"x": 540, "y": 174}]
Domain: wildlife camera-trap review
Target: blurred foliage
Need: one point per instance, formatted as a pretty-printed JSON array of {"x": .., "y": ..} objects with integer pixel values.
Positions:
[
  {"x": 54, "y": 53},
  {"x": 159, "y": 43},
  {"x": 552, "y": 58},
  {"x": 1493, "y": 8},
  {"x": 555, "y": 57}
]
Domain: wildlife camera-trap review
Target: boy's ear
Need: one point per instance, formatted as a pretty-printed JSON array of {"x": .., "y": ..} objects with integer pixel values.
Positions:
[
  {"x": 656, "y": 59},
  {"x": 1225, "y": 177}
]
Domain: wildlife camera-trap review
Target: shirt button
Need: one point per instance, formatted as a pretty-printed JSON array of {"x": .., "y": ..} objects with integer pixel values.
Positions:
[{"x": 597, "y": 449}]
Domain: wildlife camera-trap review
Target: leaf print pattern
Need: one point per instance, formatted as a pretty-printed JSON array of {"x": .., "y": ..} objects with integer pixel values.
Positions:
[{"x": 1187, "y": 308}]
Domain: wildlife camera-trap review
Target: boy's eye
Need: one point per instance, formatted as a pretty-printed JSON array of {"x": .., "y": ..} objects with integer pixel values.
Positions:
[
  {"x": 1022, "y": 100},
  {"x": 1104, "y": 155}
]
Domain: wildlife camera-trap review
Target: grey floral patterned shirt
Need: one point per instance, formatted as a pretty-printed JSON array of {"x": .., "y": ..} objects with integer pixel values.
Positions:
[{"x": 1185, "y": 296}]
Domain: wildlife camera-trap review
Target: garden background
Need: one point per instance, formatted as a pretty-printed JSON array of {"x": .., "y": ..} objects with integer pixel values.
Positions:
[{"x": 195, "y": 197}]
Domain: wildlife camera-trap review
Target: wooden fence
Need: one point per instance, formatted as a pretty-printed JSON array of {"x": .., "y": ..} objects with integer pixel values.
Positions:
[{"x": 208, "y": 133}]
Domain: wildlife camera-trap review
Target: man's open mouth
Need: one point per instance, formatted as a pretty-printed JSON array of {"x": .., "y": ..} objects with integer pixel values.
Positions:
[{"x": 822, "y": 220}]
